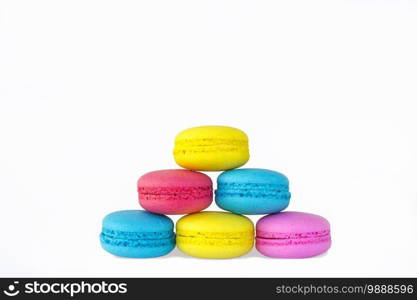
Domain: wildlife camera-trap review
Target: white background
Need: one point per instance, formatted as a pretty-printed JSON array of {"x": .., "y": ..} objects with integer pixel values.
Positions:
[{"x": 92, "y": 94}]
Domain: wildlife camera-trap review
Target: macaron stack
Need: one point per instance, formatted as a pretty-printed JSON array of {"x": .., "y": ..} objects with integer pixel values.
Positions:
[{"x": 210, "y": 234}]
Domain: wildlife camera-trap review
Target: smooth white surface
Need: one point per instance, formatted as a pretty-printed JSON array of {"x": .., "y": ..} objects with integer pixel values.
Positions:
[{"x": 92, "y": 94}]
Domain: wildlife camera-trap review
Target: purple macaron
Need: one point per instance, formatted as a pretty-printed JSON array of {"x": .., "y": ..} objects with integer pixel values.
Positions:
[{"x": 292, "y": 235}]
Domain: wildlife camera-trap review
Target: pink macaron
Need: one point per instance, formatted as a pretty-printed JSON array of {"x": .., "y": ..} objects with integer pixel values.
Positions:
[
  {"x": 292, "y": 235},
  {"x": 175, "y": 192}
]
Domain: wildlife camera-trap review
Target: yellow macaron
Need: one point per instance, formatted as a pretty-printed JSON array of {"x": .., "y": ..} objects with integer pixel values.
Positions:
[
  {"x": 212, "y": 234},
  {"x": 211, "y": 148}
]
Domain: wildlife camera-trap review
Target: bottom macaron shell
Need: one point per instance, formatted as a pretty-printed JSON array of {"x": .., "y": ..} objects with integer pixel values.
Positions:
[
  {"x": 175, "y": 207},
  {"x": 138, "y": 252},
  {"x": 248, "y": 206},
  {"x": 292, "y": 248},
  {"x": 214, "y": 248}
]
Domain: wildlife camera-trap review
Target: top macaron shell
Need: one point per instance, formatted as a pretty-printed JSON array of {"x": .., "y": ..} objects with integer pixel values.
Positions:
[
  {"x": 137, "y": 221},
  {"x": 252, "y": 191},
  {"x": 211, "y": 148},
  {"x": 175, "y": 191},
  {"x": 292, "y": 235}
]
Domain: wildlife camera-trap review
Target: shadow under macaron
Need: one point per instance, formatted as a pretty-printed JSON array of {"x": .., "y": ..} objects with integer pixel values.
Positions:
[{"x": 251, "y": 254}]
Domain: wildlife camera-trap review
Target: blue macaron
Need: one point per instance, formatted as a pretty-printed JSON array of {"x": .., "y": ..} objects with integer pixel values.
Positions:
[
  {"x": 137, "y": 233},
  {"x": 252, "y": 191}
]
